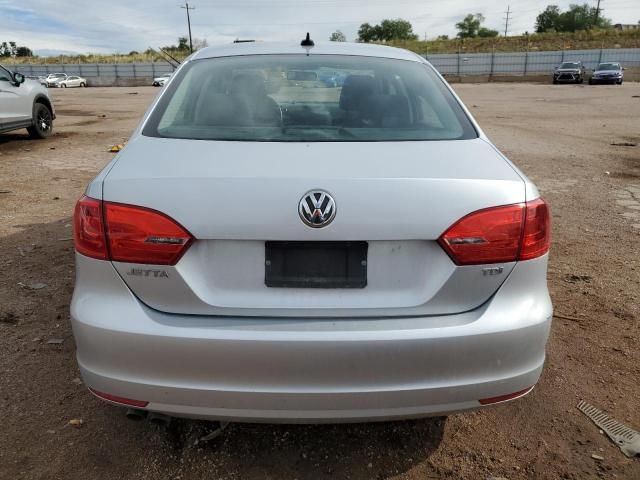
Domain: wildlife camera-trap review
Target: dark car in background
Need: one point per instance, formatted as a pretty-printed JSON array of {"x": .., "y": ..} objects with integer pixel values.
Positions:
[
  {"x": 607, "y": 73},
  {"x": 569, "y": 72}
]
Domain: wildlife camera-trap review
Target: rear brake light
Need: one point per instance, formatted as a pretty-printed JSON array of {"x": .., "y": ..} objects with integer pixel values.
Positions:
[
  {"x": 88, "y": 229},
  {"x": 127, "y": 233},
  {"x": 142, "y": 235},
  {"x": 117, "y": 399},
  {"x": 500, "y": 234},
  {"x": 536, "y": 238}
]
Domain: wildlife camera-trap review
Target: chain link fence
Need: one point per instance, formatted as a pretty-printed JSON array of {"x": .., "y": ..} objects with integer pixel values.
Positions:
[
  {"x": 491, "y": 65},
  {"x": 528, "y": 63}
]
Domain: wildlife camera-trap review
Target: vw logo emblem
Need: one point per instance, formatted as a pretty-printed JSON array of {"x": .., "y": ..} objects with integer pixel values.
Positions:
[{"x": 317, "y": 208}]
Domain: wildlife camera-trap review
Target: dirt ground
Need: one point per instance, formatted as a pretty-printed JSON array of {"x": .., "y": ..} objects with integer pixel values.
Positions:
[{"x": 563, "y": 137}]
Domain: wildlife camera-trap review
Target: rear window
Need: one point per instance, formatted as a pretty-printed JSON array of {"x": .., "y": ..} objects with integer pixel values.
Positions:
[
  {"x": 608, "y": 66},
  {"x": 300, "y": 98}
]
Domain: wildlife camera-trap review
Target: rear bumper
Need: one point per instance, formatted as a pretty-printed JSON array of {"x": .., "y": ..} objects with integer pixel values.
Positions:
[
  {"x": 605, "y": 80},
  {"x": 309, "y": 369}
]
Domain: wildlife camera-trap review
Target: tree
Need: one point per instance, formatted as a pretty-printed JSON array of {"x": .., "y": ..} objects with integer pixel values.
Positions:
[
  {"x": 24, "y": 52},
  {"x": 548, "y": 20},
  {"x": 487, "y": 32},
  {"x": 183, "y": 43},
  {"x": 11, "y": 49},
  {"x": 338, "y": 36},
  {"x": 578, "y": 17},
  {"x": 469, "y": 26},
  {"x": 442, "y": 37},
  {"x": 387, "y": 31},
  {"x": 200, "y": 43},
  {"x": 367, "y": 33}
]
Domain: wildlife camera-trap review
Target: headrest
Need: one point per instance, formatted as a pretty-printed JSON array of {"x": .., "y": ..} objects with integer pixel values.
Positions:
[
  {"x": 248, "y": 84},
  {"x": 219, "y": 109},
  {"x": 355, "y": 91},
  {"x": 387, "y": 110}
]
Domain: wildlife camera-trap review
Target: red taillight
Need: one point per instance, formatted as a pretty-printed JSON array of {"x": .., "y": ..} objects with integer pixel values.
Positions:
[
  {"x": 500, "y": 234},
  {"x": 141, "y": 235},
  {"x": 536, "y": 238},
  {"x": 88, "y": 229},
  {"x": 504, "y": 398},
  {"x": 117, "y": 399},
  {"x": 126, "y": 233}
]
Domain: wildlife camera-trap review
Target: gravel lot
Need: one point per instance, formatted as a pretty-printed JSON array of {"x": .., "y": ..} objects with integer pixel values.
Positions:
[{"x": 563, "y": 137}]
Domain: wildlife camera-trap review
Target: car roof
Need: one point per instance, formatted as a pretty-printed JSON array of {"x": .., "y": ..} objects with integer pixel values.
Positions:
[{"x": 320, "y": 48}]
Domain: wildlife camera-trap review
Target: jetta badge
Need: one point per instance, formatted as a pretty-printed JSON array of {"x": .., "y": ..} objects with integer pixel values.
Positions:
[{"x": 317, "y": 208}]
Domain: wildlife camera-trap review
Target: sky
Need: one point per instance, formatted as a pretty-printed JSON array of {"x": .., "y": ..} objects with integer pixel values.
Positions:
[{"x": 112, "y": 26}]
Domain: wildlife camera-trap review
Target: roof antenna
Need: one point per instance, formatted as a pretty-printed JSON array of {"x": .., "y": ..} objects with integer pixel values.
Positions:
[{"x": 307, "y": 42}]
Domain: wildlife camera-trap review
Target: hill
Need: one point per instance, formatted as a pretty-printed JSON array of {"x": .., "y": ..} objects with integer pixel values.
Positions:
[{"x": 583, "y": 40}]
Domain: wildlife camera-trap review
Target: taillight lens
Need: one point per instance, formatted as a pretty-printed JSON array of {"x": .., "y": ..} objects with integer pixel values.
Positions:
[
  {"x": 536, "y": 238},
  {"x": 141, "y": 235},
  {"x": 500, "y": 234},
  {"x": 127, "y": 233},
  {"x": 88, "y": 229}
]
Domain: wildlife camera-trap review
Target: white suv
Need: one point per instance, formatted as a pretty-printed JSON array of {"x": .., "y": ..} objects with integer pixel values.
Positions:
[{"x": 24, "y": 104}]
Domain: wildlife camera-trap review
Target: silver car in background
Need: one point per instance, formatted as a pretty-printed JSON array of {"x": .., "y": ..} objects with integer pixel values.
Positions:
[
  {"x": 271, "y": 249},
  {"x": 72, "y": 81},
  {"x": 53, "y": 78},
  {"x": 161, "y": 80}
]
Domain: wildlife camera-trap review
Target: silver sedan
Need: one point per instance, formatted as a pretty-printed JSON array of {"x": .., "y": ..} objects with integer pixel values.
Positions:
[
  {"x": 272, "y": 247},
  {"x": 72, "y": 81}
]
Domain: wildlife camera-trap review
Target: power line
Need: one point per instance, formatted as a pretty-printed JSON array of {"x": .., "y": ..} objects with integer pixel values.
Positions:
[
  {"x": 187, "y": 8},
  {"x": 506, "y": 20}
]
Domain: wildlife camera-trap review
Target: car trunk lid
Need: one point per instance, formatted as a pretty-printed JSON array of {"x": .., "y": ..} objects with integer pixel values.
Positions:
[{"x": 399, "y": 197}]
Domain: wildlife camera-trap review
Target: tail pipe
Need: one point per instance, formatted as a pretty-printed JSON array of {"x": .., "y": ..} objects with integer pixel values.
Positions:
[
  {"x": 136, "y": 414},
  {"x": 159, "y": 419}
]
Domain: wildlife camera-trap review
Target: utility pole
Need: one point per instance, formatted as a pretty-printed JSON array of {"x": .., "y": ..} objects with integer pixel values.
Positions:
[
  {"x": 506, "y": 20},
  {"x": 187, "y": 8},
  {"x": 595, "y": 24}
]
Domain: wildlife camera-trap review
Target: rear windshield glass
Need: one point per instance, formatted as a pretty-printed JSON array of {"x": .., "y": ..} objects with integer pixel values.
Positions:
[
  {"x": 300, "y": 98},
  {"x": 608, "y": 66}
]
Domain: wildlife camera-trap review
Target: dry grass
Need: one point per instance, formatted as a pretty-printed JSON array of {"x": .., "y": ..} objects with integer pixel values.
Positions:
[
  {"x": 585, "y": 40},
  {"x": 609, "y": 38}
]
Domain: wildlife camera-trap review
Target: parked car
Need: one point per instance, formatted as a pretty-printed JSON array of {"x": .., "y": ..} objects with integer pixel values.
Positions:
[
  {"x": 160, "y": 81},
  {"x": 569, "y": 72},
  {"x": 320, "y": 255},
  {"x": 53, "y": 78},
  {"x": 24, "y": 104},
  {"x": 72, "y": 81},
  {"x": 607, "y": 73}
]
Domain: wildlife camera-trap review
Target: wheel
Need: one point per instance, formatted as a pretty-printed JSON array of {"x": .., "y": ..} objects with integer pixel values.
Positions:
[
  {"x": 619, "y": 82},
  {"x": 555, "y": 82},
  {"x": 83, "y": 84},
  {"x": 580, "y": 80},
  {"x": 42, "y": 121},
  {"x": 63, "y": 85},
  {"x": 590, "y": 82}
]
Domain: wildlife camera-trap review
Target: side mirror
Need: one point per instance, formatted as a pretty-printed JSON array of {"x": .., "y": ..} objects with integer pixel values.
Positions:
[{"x": 18, "y": 78}]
